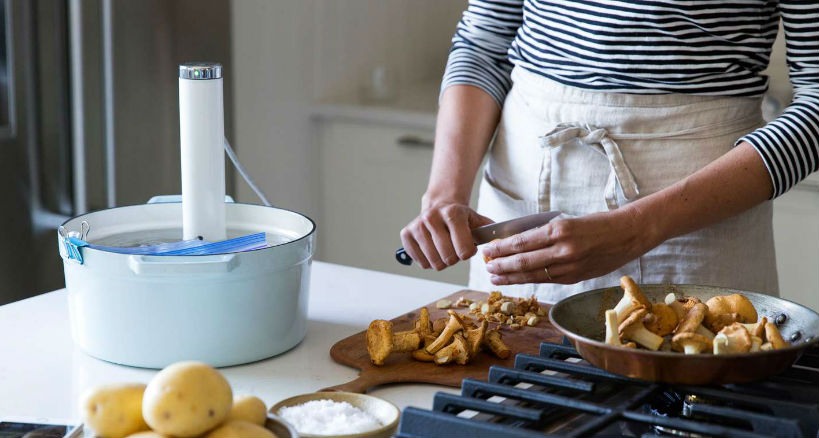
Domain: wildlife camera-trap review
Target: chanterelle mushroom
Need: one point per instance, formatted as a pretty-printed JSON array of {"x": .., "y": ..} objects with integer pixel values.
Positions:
[
  {"x": 662, "y": 320},
  {"x": 680, "y": 306},
  {"x": 632, "y": 328},
  {"x": 381, "y": 341},
  {"x": 423, "y": 325},
  {"x": 690, "y": 343},
  {"x": 457, "y": 351},
  {"x": 633, "y": 299},
  {"x": 496, "y": 345},
  {"x": 773, "y": 336},
  {"x": 693, "y": 318},
  {"x": 732, "y": 339},
  {"x": 758, "y": 328},
  {"x": 735, "y": 303},
  {"x": 718, "y": 322},
  {"x": 454, "y": 325},
  {"x": 475, "y": 338}
]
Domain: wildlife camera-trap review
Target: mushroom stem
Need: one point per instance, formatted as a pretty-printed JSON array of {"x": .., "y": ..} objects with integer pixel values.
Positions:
[
  {"x": 690, "y": 343},
  {"x": 705, "y": 332},
  {"x": 632, "y": 328},
  {"x": 757, "y": 328},
  {"x": 774, "y": 337},
  {"x": 496, "y": 345},
  {"x": 633, "y": 298},
  {"x": 475, "y": 338},
  {"x": 454, "y": 324},
  {"x": 454, "y": 352},
  {"x": 693, "y": 319},
  {"x": 612, "y": 336}
]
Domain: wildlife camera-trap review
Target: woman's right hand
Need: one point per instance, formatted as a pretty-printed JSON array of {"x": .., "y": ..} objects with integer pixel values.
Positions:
[{"x": 441, "y": 235}]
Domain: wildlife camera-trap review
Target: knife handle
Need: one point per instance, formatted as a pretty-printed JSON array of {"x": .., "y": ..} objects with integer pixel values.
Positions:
[{"x": 402, "y": 257}]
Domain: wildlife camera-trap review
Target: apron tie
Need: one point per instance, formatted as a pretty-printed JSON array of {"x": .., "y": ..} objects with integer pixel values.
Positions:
[{"x": 599, "y": 140}]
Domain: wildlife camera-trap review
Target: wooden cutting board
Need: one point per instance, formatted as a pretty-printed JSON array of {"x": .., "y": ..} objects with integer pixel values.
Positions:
[{"x": 402, "y": 368}]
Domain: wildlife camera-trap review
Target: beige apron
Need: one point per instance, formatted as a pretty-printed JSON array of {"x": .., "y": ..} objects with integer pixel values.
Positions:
[{"x": 580, "y": 152}]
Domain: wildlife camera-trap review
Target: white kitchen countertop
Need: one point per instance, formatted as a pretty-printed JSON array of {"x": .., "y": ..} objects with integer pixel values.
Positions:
[{"x": 42, "y": 372}]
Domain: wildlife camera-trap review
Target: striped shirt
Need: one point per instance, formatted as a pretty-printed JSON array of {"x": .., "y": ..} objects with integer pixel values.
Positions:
[{"x": 705, "y": 47}]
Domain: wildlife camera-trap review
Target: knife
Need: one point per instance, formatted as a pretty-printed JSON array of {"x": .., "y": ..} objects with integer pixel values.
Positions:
[{"x": 498, "y": 230}]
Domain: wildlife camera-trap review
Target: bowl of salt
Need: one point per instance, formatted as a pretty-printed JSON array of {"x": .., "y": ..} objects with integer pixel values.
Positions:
[{"x": 339, "y": 414}]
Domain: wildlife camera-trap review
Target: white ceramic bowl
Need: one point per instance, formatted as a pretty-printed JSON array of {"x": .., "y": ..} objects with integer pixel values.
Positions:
[{"x": 387, "y": 413}]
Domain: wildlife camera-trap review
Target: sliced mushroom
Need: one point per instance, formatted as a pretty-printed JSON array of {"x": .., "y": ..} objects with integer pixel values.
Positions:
[
  {"x": 633, "y": 299},
  {"x": 456, "y": 351},
  {"x": 454, "y": 325},
  {"x": 633, "y": 329},
  {"x": 690, "y": 343},
  {"x": 612, "y": 335},
  {"x": 773, "y": 336},
  {"x": 734, "y": 303},
  {"x": 732, "y": 339},
  {"x": 661, "y": 320}
]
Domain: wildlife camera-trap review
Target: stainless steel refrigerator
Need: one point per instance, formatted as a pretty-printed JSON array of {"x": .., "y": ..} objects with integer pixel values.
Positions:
[{"x": 89, "y": 115}]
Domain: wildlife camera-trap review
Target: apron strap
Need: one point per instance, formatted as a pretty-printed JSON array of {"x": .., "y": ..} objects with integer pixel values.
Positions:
[{"x": 598, "y": 139}]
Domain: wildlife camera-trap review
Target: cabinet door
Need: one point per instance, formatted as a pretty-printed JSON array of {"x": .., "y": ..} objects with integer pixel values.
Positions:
[
  {"x": 796, "y": 234},
  {"x": 372, "y": 179}
]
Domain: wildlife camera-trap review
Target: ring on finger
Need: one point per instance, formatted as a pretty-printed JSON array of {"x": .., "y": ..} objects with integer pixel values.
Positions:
[{"x": 548, "y": 277}]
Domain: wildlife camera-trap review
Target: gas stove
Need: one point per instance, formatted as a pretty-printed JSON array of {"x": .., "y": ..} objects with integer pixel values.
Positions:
[{"x": 557, "y": 393}]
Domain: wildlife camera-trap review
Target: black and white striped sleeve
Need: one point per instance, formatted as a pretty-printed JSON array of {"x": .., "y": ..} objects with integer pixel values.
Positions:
[
  {"x": 789, "y": 144},
  {"x": 479, "y": 53}
]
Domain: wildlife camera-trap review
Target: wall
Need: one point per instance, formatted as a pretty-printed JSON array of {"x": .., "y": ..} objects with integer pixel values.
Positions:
[{"x": 289, "y": 55}]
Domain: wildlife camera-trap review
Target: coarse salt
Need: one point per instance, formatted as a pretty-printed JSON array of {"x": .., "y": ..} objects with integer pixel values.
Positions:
[{"x": 328, "y": 417}]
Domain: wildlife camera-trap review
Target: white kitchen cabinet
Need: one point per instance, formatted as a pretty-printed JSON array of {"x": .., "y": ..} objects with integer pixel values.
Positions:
[
  {"x": 796, "y": 236},
  {"x": 372, "y": 178}
]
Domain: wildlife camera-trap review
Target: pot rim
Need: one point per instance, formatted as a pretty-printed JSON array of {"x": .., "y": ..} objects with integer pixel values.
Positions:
[{"x": 307, "y": 235}]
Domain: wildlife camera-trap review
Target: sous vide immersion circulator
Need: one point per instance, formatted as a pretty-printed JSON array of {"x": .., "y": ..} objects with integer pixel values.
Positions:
[{"x": 202, "y": 134}]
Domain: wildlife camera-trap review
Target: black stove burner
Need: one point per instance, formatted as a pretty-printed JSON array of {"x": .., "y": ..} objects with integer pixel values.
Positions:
[{"x": 558, "y": 394}]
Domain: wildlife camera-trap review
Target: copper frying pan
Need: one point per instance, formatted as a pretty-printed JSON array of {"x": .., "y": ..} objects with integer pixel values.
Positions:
[{"x": 581, "y": 319}]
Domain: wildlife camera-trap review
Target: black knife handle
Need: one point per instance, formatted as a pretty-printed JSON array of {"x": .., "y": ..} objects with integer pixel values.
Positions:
[{"x": 402, "y": 257}]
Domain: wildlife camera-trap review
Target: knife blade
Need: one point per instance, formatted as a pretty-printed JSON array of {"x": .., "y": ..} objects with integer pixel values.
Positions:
[{"x": 498, "y": 230}]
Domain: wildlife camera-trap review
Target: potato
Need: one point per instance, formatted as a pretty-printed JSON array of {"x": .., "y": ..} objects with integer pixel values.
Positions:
[
  {"x": 114, "y": 411},
  {"x": 248, "y": 408},
  {"x": 240, "y": 429},
  {"x": 147, "y": 434},
  {"x": 186, "y": 399}
]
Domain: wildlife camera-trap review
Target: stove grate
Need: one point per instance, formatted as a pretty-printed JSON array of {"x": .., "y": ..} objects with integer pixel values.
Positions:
[{"x": 558, "y": 394}]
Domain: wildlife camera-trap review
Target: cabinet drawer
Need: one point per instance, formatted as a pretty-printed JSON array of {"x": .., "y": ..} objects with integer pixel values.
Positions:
[{"x": 372, "y": 178}]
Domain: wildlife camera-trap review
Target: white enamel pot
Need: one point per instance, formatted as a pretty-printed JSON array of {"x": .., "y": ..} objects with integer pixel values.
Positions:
[{"x": 226, "y": 309}]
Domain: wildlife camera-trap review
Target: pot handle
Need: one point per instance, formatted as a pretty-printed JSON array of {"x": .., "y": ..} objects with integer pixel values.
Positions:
[{"x": 166, "y": 265}]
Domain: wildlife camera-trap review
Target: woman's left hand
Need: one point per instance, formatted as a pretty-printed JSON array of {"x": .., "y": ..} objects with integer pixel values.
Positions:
[{"x": 569, "y": 250}]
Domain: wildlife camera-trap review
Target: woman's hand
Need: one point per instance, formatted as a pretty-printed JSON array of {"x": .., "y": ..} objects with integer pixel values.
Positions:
[
  {"x": 441, "y": 235},
  {"x": 569, "y": 250}
]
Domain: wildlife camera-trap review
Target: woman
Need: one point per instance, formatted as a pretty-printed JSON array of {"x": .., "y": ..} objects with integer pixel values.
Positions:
[{"x": 640, "y": 121}]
